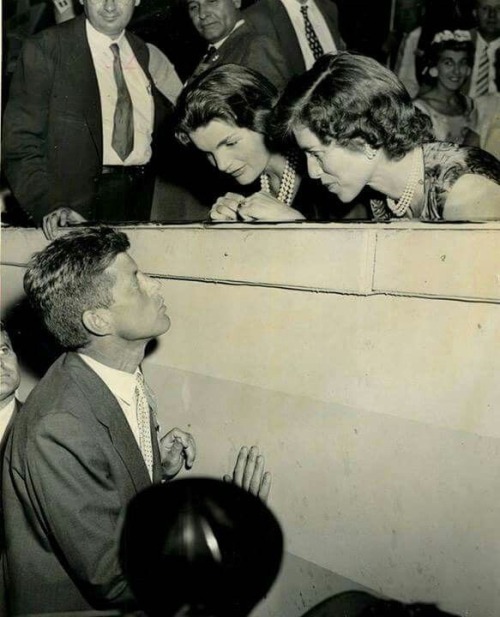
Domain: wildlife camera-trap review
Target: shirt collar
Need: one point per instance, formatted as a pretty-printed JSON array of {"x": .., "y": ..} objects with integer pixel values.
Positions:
[
  {"x": 8, "y": 410},
  {"x": 99, "y": 41},
  {"x": 239, "y": 23},
  {"x": 121, "y": 383}
]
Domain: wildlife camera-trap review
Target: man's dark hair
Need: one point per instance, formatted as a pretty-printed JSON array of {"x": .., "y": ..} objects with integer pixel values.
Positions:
[{"x": 68, "y": 277}]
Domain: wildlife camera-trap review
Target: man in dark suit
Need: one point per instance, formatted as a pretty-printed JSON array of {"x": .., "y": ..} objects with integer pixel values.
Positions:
[
  {"x": 9, "y": 407},
  {"x": 9, "y": 382},
  {"x": 486, "y": 39},
  {"x": 82, "y": 116},
  {"x": 232, "y": 40},
  {"x": 305, "y": 29},
  {"x": 87, "y": 440}
]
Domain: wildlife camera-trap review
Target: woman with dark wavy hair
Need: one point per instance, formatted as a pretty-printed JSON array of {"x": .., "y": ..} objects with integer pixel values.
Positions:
[
  {"x": 224, "y": 113},
  {"x": 358, "y": 127}
]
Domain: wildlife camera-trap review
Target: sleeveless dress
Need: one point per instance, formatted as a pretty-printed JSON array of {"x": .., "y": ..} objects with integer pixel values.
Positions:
[
  {"x": 450, "y": 128},
  {"x": 444, "y": 164}
]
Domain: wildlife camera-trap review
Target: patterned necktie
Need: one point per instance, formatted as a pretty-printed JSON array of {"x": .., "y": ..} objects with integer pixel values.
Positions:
[
  {"x": 123, "y": 119},
  {"x": 206, "y": 61},
  {"x": 143, "y": 422},
  {"x": 311, "y": 36},
  {"x": 483, "y": 73}
]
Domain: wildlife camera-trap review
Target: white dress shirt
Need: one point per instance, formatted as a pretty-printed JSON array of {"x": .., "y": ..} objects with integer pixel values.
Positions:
[
  {"x": 318, "y": 23},
  {"x": 140, "y": 92},
  {"x": 6, "y": 416},
  {"x": 122, "y": 386},
  {"x": 492, "y": 47}
]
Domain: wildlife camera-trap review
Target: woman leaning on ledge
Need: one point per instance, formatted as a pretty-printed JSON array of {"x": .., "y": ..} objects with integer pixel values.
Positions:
[
  {"x": 224, "y": 113},
  {"x": 358, "y": 127}
]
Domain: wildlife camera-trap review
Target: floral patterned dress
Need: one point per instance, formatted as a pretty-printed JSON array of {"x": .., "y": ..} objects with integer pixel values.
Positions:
[{"x": 444, "y": 164}]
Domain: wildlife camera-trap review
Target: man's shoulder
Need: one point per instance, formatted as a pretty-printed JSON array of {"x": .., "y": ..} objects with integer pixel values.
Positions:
[
  {"x": 68, "y": 379},
  {"x": 60, "y": 31},
  {"x": 262, "y": 11},
  {"x": 247, "y": 35}
]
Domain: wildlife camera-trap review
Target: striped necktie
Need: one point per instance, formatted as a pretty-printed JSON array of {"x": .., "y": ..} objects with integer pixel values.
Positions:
[
  {"x": 311, "y": 36},
  {"x": 483, "y": 73},
  {"x": 122, "y": 139},
  {"x": 144, "y": 422}
]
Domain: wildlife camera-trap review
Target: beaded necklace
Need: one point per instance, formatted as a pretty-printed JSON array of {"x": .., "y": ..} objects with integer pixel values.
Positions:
[
  {"x": 400, "y": 207},
  {"x": 287, "y": 183}
]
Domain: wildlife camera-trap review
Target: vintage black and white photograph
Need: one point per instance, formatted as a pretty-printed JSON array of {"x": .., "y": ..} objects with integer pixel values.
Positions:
[{"x": 250, "y": 308}]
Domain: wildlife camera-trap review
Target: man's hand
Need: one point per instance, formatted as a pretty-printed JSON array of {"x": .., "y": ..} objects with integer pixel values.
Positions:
[
  {"x": 61, "y": 217},
  {"x": 249, "y": 473},
  {"x": 177, "y": 450}
]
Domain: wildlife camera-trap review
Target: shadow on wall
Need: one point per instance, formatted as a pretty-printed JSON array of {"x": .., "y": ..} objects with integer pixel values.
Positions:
[{"x": 35, "y": 347}]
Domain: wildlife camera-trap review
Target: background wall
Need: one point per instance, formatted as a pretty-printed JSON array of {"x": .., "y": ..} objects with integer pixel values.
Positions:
[{"x": 372, "y": 391}]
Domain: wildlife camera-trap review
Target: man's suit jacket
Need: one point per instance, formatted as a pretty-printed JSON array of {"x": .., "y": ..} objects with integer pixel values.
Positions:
[
  {"x": 3, "y": 567},
  {"x": 257, "y": 51},
  {"x": 71, "y": 466},
  {"x": 467, "y": 87},
  {"x": 53, "y": 126},
  {"x": 270, "y": 17}
]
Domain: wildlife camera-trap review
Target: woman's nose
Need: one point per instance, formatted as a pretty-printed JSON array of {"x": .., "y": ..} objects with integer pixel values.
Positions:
[{"x": 222, "y": 162}]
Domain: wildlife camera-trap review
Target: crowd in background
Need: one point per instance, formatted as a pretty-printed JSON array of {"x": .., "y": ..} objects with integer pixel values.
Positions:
[{"x": 445, "y": 53}]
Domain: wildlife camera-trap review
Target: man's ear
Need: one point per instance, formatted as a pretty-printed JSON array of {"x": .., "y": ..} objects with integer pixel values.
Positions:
[
  {"x": 137, "y": 2},
  {"x": 237, "y": 4},
  {"x": 97, "y": 321}
]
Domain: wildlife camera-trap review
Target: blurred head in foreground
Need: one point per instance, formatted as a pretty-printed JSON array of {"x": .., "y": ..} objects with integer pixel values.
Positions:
[{"x": 200, "y": 547}]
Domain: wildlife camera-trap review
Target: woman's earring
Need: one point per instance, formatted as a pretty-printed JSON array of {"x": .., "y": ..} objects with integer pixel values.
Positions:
[
  {"x": 370, "y": 152},
  {"x": 433, "y": 72}
]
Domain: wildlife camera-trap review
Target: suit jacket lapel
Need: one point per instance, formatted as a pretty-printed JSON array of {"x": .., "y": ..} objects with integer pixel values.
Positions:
[
  {"x": 109, "y": 413},
  {"x": 162, "y": 106},
  {"x": 286, "y": 35},
  {"x": 81, "y": 67}
]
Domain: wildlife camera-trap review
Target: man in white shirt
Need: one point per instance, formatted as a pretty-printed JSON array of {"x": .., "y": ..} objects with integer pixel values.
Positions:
[
  {"x": 305, "y": 29},
  {"x": 487, "y": 42},
  {"x": 84, "y": 116},
  {"x": 87, "y": 440}
]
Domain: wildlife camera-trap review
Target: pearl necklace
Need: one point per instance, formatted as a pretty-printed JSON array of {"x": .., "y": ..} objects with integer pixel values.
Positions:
[
  {"x": 400, "y": 207},
  {"x": 287, "y": 184}
]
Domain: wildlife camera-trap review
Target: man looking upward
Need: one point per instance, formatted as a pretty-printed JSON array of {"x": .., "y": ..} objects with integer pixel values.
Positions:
[{"x": 87, "y": 439}]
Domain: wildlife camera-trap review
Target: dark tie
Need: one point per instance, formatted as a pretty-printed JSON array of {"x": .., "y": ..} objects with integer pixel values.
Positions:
[
  {"x": 483, "y": 73},
  {"x": 311, "y": 36},
  {"x": 207, "y": 60},
  {"x": 123, "y": 119}
]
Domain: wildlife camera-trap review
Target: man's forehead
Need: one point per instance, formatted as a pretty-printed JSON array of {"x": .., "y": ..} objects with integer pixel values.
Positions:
[{"x": 122, "y": 264}]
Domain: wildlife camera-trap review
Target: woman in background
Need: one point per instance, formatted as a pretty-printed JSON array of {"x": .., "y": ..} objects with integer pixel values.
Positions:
[
  {"x": 224, "y": 113},
  {"x": 449, "y": 65},
  {"x": 358, "y": 127}
]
